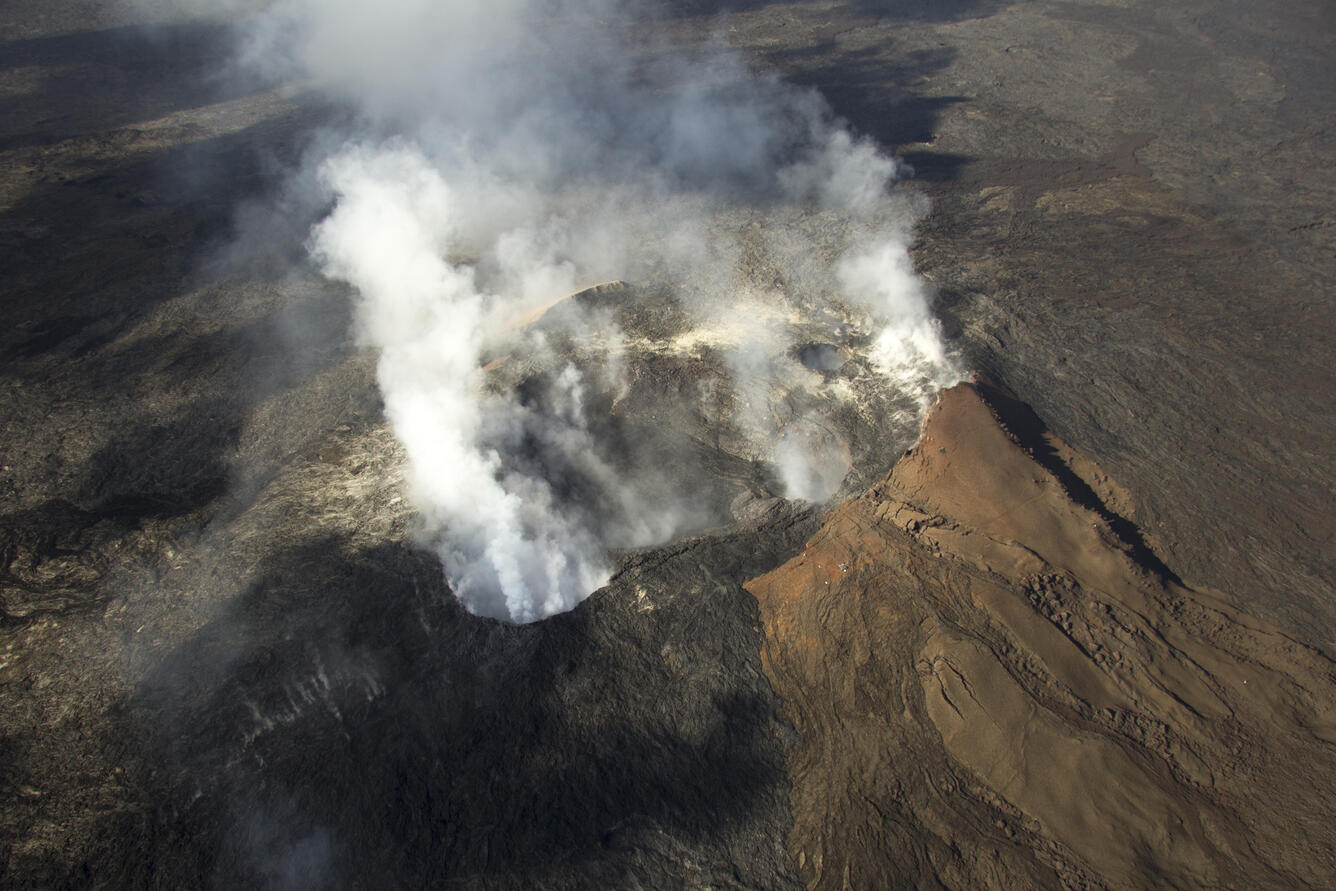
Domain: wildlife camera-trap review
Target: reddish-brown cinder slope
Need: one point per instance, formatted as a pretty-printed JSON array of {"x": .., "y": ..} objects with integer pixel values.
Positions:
[{"x": 997, "y": 685}]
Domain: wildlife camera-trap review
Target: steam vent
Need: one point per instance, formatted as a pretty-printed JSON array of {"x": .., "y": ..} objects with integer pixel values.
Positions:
[{"x": 667, "y": 444}]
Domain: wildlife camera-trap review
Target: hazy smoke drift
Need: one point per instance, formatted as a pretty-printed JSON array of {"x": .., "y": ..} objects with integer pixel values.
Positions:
[{"x": 512, "y": 151}]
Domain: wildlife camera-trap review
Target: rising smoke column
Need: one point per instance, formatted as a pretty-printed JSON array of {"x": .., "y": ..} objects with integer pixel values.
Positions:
[
  {"x": 509, "y": 152},
  {"x": 509, "y": 551}
]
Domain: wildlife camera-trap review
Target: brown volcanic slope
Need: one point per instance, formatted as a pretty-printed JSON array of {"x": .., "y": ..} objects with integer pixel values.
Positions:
[{"x": 996, "y": 688}]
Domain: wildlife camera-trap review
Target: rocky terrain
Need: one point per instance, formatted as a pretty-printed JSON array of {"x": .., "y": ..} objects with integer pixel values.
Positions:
[
  {"x": 998, "y": 685},
  {"x": 1090, "y": 650}
]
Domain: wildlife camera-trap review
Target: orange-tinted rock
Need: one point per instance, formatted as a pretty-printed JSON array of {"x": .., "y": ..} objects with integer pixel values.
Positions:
[{"x": 995, "y": 688}]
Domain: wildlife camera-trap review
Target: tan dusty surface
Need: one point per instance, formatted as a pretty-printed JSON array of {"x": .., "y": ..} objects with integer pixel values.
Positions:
[{"x": 994, "y": 688}]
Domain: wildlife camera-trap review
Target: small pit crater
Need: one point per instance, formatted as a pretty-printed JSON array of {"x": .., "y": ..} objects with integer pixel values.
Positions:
[{"x": 820, "y": 356}]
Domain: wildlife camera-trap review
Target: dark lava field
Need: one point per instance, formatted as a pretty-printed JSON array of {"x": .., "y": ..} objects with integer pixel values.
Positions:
[{"x": 1072, "y": 626}]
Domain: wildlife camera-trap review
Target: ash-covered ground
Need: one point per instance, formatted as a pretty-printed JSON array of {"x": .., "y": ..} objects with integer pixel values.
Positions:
[{"x": 230, "y": 653}]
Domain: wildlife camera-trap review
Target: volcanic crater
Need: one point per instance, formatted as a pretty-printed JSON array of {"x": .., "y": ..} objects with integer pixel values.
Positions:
[{"x": 1064, "y": 624}]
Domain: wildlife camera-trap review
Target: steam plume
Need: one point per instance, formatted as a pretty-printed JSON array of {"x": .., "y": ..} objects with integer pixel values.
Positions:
[{"x": 510, "y": 152}]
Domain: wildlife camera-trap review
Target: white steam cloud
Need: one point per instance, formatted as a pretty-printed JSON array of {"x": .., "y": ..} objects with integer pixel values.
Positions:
[{"x": 511, "y": 152}]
